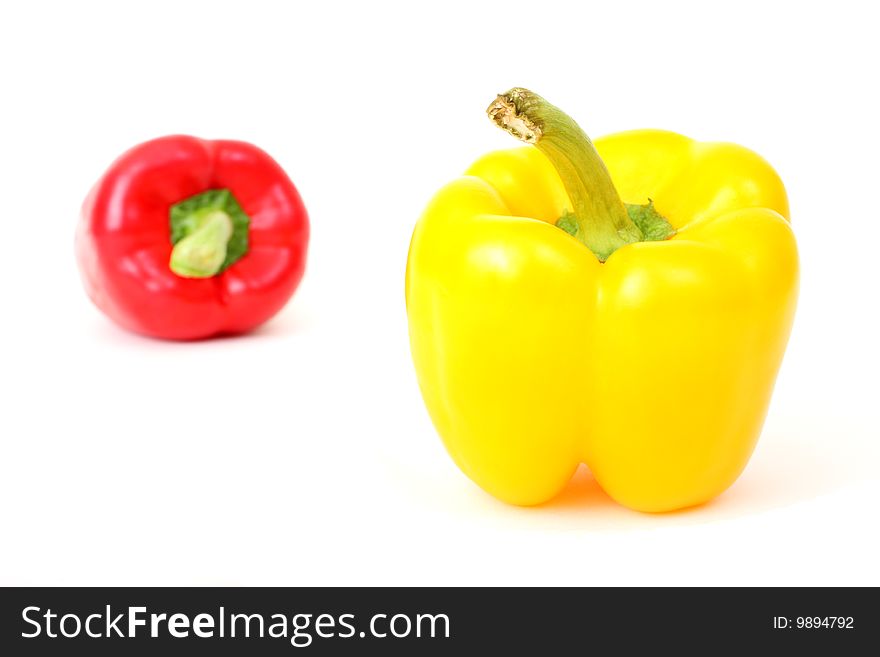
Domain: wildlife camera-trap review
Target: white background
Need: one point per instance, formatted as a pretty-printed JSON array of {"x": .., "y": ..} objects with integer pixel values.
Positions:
[{"x": 302, "y": 454}]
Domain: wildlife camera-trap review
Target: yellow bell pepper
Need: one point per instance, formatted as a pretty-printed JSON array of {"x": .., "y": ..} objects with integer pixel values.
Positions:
[{"x": 552, "y": 324}]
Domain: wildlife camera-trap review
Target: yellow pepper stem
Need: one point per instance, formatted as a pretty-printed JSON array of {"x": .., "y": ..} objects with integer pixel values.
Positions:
[{"x": 601, "y": 219}]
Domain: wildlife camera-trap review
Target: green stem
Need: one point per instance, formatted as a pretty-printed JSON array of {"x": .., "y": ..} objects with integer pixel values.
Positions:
[
  {"x": 202, "y": 253},
  {"x": 602, "y": 221},
  {"x": 209, "y": 232}
]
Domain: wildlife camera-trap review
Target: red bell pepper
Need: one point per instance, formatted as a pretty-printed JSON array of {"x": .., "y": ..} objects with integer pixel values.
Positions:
[{"x": 184, "y": 238}]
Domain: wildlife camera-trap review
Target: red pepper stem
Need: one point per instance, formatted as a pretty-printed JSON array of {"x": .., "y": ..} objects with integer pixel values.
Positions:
[
  {"x": 209, "y": 232},
  {"x": 603, "y": 224},
  {"x": 201, "y": 253}
]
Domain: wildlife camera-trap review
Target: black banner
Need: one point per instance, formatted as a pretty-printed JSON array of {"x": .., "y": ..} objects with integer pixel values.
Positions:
[{"x": 419, "y": 621}]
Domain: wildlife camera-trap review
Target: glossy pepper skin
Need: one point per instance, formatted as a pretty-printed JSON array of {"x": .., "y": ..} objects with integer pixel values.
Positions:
[
  {"x": 655, "y": 368},
  {"x": 124, "y": 244}
]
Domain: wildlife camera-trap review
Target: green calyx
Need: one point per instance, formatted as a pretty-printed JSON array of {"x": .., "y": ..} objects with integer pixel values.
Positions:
[
  {"x": 599, "y": 219},
  {"x": 209, "y": 232},
  {"x": 652, "y": 225}
]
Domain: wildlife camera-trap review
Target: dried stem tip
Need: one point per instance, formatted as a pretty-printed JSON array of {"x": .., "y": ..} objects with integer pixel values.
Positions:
[{"x": 507, "y": 115}]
